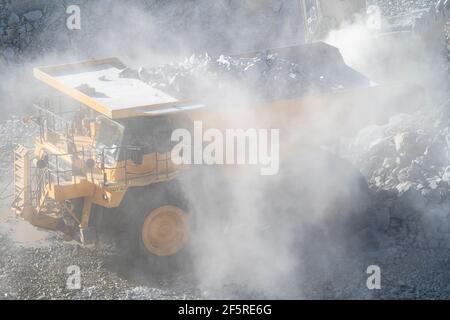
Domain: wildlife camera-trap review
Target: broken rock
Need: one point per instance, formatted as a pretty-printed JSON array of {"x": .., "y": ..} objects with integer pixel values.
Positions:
[
  {"x": 446, "y": 175},
  {"x": 13, "y": 20},
  {"x": 9, "y": 54},
  {"x": 410, "y": 200},
  {"x": 129, "y": 73},
  {"x": 33, "y": 16}
]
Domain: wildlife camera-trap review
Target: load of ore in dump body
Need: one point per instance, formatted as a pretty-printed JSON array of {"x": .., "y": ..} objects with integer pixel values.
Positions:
[{"x": 264, "y": 76}]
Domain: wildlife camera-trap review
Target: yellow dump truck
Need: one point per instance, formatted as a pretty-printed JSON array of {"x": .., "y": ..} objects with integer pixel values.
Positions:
[{"x": 105, "y": 142}]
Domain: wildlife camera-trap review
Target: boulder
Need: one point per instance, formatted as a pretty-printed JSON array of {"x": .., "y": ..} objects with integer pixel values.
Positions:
[
  {"x": 13, "y": 20},
  {"x": 435, "y": 153},
  {"x": 9, "y": 54},
  {"x": 33, "y": 16},
  {"x": 129, "y": 73},
  {"x": 23, "y": 6},
  {"x": 446, "y": 175},
  {"x": 410, "y": 200}
]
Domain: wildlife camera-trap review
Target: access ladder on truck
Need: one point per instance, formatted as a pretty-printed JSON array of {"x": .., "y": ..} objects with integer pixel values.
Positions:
[
  {"x": 31, "y": 200},
  {"x": 21, "y": 179}
]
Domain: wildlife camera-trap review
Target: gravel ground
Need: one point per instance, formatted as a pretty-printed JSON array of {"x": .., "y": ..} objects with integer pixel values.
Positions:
[{"x": 36, "y": 268}]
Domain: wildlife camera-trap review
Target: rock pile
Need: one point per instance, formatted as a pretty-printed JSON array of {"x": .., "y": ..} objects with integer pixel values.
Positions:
[{"x": 407, "y": 162}]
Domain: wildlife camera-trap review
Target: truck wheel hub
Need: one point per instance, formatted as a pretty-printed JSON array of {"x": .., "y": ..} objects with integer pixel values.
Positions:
[{"x": 165, "y": 231}]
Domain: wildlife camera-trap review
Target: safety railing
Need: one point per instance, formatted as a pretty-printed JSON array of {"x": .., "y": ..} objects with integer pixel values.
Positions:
[
  {"x": 38, "y": 186},
  {"x": 59, "y": 169},
  {"x": 52, "y": 117},
  {"x": 131, "y": 157},
  {"x": 49, "y": 121},
  {"x": 63, "y": 169}
]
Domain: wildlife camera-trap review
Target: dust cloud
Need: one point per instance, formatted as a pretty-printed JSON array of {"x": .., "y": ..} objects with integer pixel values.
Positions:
[{"x": 254, "y": 233}]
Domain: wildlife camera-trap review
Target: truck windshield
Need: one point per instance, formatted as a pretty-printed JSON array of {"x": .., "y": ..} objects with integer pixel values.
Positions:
[{"x": 109, "y": 139}]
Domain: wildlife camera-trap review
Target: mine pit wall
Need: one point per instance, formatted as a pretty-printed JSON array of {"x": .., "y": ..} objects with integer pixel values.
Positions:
[
  {"x": 37, "y": 28},
  {"x": 31, "y": 28}
]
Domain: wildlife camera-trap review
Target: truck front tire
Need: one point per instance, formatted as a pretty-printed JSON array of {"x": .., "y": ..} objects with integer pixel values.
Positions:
[{"x": 157, "y": 227}]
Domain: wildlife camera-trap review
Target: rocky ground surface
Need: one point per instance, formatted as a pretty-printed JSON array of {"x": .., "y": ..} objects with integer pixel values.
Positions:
[{"x": 407, "y": 164}]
